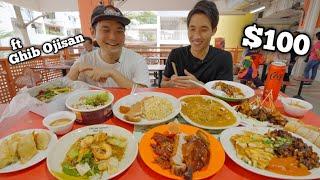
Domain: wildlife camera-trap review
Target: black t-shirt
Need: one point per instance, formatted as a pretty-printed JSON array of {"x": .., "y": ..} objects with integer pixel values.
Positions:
[{"x": 217, "y": 65}]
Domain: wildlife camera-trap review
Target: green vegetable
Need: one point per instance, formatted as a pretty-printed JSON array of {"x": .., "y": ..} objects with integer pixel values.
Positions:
[
  {"x": 267, "y": 141},
  {"x": 120, "y": 142},
  {"x": 88, "y": 158},
  {"x": 280, "y": 141},
  {"x": 64, "y": 176},
  {"x": 96, "y": 100},
  {"x": 74, "y": 152},
  {"x": 69, "y": 170}
]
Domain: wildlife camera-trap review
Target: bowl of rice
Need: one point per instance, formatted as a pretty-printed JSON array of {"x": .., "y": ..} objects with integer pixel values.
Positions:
[{"x": 91, "y": 106}]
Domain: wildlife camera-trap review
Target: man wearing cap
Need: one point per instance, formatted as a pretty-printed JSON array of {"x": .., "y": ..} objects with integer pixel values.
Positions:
[{"x": 111, "y": 65}]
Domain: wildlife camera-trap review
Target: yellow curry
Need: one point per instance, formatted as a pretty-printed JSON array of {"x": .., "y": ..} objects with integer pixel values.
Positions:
[{"x": 207, "y": 112}]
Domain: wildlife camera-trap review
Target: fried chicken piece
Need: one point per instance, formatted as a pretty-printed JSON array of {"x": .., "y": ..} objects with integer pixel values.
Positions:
[
  {"x": 196, "y": 153},
  {"x": 164, "y": 148}
]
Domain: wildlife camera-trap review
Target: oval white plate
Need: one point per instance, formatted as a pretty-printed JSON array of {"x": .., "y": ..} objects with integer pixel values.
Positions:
[
  {"x": 42, "y": 154},
  {"x": 230, "y": 150},
  {"x": 226, "y": 105},
  {"x": 58, "y": 153},
  {"x": 247, "y": 91},
  {"x": 132, "y": 99}
]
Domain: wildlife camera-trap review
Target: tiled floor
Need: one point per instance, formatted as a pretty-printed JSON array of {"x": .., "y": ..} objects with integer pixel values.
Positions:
[{"x": 309, "y": 93}]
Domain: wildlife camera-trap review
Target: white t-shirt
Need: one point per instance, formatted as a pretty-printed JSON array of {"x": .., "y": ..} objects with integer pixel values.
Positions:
[{"x": 131, "y": 65}]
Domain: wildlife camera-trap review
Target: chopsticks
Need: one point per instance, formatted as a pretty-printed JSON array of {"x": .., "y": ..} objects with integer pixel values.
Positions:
[
  {"x": 133, "y": 89},
  {"x": 174, "y": 68}
]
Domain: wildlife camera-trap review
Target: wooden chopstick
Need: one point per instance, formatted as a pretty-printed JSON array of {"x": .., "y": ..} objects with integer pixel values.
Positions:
[{"x": 174, "y": 68}]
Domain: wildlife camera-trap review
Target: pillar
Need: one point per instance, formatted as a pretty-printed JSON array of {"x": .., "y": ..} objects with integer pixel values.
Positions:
[{"x": 85, "y": 10}]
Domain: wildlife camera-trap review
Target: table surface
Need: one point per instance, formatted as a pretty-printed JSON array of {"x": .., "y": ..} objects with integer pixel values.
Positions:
[{"x": 138, "y": 170}]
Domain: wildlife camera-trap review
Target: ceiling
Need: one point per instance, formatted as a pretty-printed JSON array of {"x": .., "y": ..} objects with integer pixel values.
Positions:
[
  {"x": 277, "y": 11},
  {"x": 126, "y": 5}
]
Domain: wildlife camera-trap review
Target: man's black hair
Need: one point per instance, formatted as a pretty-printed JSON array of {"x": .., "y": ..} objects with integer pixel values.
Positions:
[{"x": 207, "y": 8}]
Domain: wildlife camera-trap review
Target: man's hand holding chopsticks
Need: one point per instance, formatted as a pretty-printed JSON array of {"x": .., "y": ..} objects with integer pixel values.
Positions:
[{"x": 184, "y": 81}]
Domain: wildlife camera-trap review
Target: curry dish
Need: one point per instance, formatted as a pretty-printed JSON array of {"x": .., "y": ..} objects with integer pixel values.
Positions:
[{"x": 207, "y": 112}]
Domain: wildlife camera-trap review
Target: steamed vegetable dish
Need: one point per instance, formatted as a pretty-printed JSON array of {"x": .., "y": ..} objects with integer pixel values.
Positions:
[{"x": 93, "y": 155}]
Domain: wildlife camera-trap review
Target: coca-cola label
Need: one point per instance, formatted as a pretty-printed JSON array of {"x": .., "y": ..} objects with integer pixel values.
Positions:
[{"x": 276, "y": 76}]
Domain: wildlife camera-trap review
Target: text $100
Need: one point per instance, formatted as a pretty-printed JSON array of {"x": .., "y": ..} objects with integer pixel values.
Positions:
[{"x": 252, "y": 39}]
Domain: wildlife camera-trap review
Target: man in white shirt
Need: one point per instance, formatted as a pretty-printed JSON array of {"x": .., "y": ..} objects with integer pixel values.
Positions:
[
  {"x": 88, "y": 45},
  {"x": 111, "y": 65}
]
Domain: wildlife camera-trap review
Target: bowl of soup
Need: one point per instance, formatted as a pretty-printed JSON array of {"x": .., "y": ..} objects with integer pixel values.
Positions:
[
  {"x": 60, "y": 122},
  {"x": 91, "y": 106},
  {"x": 296, "y": 107}
]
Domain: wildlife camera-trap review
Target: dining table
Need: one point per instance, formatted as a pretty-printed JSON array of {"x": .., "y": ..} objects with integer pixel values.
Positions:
[
  {"x": 138, "y": 169},
  {"x": 157, "y": 68},
  {"x": 61, "y": 67}
]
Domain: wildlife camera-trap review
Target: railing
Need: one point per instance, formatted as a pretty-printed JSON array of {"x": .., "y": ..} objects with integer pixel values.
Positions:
[{"x": 9, "y": 73}]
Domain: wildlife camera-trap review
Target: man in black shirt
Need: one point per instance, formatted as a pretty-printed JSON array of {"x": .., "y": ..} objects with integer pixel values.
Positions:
[{"x": 199, "y": 61}]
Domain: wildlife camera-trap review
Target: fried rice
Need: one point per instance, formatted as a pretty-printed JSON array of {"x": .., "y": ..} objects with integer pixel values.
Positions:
[{"x": 156, "y": 108}]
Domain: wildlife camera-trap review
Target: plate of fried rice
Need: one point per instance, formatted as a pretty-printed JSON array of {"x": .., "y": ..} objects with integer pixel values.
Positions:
[{"x": 146, "y": 108}]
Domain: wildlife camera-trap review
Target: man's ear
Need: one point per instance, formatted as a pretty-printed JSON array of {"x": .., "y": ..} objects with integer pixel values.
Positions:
[
  {"x": 214, "y": 30},
  {"x": 93, "y": 32}
]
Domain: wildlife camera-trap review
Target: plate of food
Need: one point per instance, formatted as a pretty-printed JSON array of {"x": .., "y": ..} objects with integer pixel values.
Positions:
[
  {"x": 146, "y": 108},
  {"x": 309, "y": 132},
  {"x": 180, "y": 151},
  {"x": 97, "y": 151},
  {"x": 25, "y": 148},
  {"x": 47, "y": 94},
  {"x": 272, "y": 152},
  {"x": 229, "y": 90},
  {"x": 254, "y": 113},
  {"x": 208, "y": 112}
]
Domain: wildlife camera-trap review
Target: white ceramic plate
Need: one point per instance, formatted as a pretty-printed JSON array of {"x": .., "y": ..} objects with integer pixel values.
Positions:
[
  {"x": 58, "y": 153},
  {"x": 132, "y": 99},
  {"x": 230, "y": 150},
  {"x": 247, "y": 91},
  {"x": 42, "y": 154},
  {"x": 226, "y": 105}
]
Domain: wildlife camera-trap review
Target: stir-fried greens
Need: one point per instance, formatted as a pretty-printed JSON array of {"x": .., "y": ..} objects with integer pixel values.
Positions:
[
  {"x": 47, "y": 94},
  {"x": 92, "y": 101},
  {"x": 96, "y": 100},
  {"x": 94, "y": 154}
]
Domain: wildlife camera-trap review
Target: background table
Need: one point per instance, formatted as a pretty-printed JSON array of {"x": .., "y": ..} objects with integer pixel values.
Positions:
[
  {"x": 61, "y": 67},
  {"x": 138, "y": 170},
  {"x": 159, "y": 68}
]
